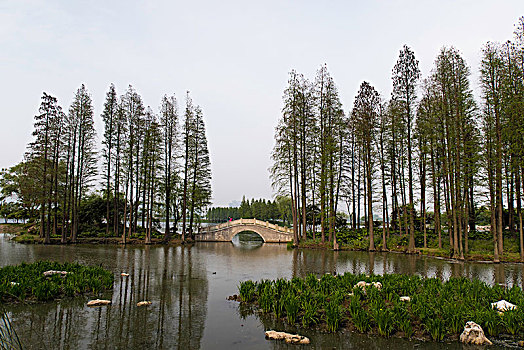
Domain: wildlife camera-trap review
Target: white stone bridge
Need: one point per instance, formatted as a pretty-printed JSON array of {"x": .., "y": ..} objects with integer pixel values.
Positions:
[{"x": 225, "y": 232}]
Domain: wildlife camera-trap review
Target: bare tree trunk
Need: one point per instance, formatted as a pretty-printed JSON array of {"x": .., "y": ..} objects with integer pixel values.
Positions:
[{"x": 519, "y": 212}]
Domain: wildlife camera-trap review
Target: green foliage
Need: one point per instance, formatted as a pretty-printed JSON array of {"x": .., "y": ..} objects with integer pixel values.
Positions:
[
  {"x": 437, "y": 308},
  {"x": 310, "y": 316},
  {"x": 362, "y": 320},
  {"x": 291, "y": 304},
  {"x": 27, "y": 281},
  {"x": 513, "y": 321},
  {"x": 436, "y": 328},
  {"x": 247, "y": 290},
  {"x": 384, "y": 321},
  {"x": 333, "y": 315}
]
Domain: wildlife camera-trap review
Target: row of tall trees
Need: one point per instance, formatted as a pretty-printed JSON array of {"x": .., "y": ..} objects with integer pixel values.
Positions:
[
  {"x": 307, "y": 157},
  {"x": 60, "y": 163},
  {"x": 153, "y": 167},
  {"x": 160, "y": 165},
  {"x": 431, "y": 142}
]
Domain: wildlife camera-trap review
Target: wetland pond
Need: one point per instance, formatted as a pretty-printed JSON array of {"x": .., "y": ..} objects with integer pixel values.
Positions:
[{"x": 188, "y": 287}]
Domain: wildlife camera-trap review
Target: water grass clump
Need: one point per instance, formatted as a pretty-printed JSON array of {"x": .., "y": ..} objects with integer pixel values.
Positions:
[
  {"x": 26, "y": 282},
  {"x": 435, "y": 310}
]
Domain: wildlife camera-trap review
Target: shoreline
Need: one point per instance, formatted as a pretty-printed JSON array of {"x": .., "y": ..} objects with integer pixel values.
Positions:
[
  {"x": 429, "y": 252},
  {"x": 21, "y": 236},
  {"x": 478, "y": 257}
]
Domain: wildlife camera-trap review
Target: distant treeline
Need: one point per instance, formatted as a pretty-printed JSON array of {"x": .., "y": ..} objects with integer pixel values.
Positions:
[{"x": 267, "y": 210}]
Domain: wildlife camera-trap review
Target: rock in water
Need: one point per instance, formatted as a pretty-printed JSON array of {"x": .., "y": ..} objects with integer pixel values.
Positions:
[
  {"x": 143, "y": 303},
  {"x": 287, "y": 337},
  {"x": 377, "y": 285},
  {"x": 233, "y": 297},
  {"x": 503, "y": 305},
  {"x": 53, "y": 272},
  {"x": 473, "y": 334},
  {"x": 98, "y": 302},
  {"x": 363, "y": 285}
]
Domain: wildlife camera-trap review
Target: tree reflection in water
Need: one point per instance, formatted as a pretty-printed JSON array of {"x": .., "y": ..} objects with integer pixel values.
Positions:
[{"x": 166, "y": 276}]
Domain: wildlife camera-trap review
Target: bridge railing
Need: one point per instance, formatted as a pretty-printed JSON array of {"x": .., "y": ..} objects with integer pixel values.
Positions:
[{"x": 246, "y": 222}]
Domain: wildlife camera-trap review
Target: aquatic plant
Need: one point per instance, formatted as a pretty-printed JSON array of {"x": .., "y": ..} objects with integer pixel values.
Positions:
[
  {"x": 291, "y": 304},
  {"x": 265, "y": 298},
  {"x": 435, "y": 309},
  {"x": 492, "y": 322},
  {"x": 512, "y": 321},
  {"x": 384, "y": 320},
  {"x": 333, "y": 315},
  {"x": 278, "y": 306},
  {"x": 436, "y": 328},
  {"x": 27, "y": 281},
  {"x": 247, "y": 290},
  {"x": 404, "y": 325},
  {"x": 310, "y": 315},
  {"x": 361, "y": 320}
]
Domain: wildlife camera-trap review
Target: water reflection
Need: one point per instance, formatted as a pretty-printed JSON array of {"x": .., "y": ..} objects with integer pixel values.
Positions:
[
  {"x": 176, "y": 285},
  {"x": 247, "y": 240},
  {"x": 188, "y": 287}
]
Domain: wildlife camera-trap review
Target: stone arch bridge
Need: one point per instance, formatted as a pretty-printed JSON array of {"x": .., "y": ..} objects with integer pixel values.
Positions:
[{"x": 225, "y": 232}]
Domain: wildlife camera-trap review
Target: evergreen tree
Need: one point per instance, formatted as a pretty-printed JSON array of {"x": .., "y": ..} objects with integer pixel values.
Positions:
[
  {"x": 365, "y": 117},
  {"x": 109, "y": 117},
  {"x": 170, "y": 134},
  {"x": 405, "y": 77}
]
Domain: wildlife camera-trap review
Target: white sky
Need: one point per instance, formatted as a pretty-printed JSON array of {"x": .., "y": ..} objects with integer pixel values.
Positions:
[{"x": 233, "y": 56}]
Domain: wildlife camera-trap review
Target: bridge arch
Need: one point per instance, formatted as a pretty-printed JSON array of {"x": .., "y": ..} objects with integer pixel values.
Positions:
[
  {"x": 225, "y": 232},
  {"x": 254, "y": 236}
]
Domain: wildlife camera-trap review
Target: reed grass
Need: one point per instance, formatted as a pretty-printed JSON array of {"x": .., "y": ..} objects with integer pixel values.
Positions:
[
  {"x": 26, "y": 282},
  {"x": 438, "y": 310}
]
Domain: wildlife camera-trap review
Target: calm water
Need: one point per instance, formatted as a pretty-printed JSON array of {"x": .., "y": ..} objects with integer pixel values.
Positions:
[{"x": 189, "y": 286}]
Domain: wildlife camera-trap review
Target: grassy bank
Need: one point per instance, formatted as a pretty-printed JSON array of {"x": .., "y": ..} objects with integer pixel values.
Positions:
[
  {"x": 35, "y": 239},
  {"x": 479, "y": 249},
  {"x": 437, "y": 310},
  {"x": 25, "y": 233},
  {"x": 26, "y": 282}
]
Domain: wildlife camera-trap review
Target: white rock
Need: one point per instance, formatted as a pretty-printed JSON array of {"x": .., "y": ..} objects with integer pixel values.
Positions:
[
  {"x": 377, "y": 285},
  {"x": 98, "y": 302},
  {"x": 143, "y": 303},
  {"x": 361, "y": 284},
  {"x": 53, "y": 272},
  {"x": 287, "y": 337},
  {"x": 405, "y": 298},
  {"x": 473, "y": 334},
  {"x": 503, "y": 305}
]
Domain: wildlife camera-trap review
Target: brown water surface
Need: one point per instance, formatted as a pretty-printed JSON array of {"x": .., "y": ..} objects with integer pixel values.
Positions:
[{"x": 188, "y": 287}]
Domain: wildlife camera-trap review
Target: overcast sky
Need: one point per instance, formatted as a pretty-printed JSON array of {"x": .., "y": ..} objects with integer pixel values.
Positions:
[{"x": 234, "y": 57}]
